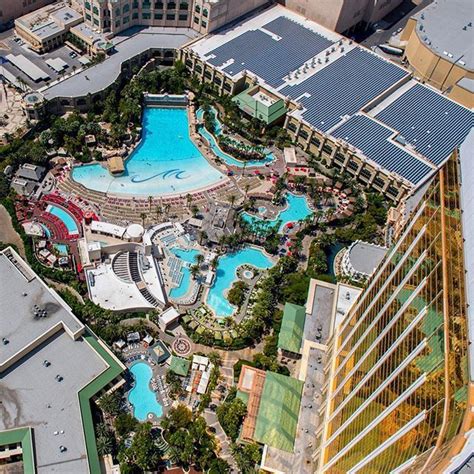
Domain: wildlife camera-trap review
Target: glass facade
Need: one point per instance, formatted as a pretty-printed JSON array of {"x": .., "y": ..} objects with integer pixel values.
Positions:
[{"x": 397, "y": 391}]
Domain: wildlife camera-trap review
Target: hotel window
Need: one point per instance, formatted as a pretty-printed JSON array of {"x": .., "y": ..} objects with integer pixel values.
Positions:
[
  {"x": 203, "y": 24},
  {"x": 158, "y": 16},
  {"x": 392, "y": 190},
  {"x": 315, "y": 141},
  {"x": 227, "y": 87},
  {"x": 146, "y": 5},
  {"x": 88, "y": 17},
  {"x": 366, "y": 173},
  {"x": 304, "y": 134},
  {"x": 135, "y": 16},
  {"x": 96, "y": 22},
  {"x": 117, "y": 23},
  {"x": 135, "y": 4},
  {"x": 196, "y": 20},
  {"x": 327, "y": 149},
  {"x": 207, "y": 74},
  {"x": 170, "y": 16},
  {"x": 171, "y": 6},
  {"x": 159, "y": 5},
  {"x": 197, "y": 9},
  {"x": 340, "y": 157},
  {"x": 146, "y": 16},
  {"x": 379, "y": 182},
  {"x": 205, "y": 12},
  {"x": 292, "y": 127},
  {"x": 95, "y": 10},
  {"x": 87, "y": 5},
  {"x": 117, "y": 12},
  {"x": 352, "y": 165},
  {"x": 126, "y": 20},
  {"x": 183, "y": 6},
  {"x": 183, "y": 17},
  {"x": 198, "y": 69},
  {"x": 126, "y": 8}
]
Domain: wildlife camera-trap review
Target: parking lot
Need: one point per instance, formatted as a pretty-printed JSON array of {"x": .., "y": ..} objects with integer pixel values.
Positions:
[{"x": 8, "y": 45}]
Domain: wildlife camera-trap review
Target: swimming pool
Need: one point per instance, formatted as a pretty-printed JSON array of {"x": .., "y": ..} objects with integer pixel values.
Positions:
[
  {"x": 61, "y": 248},
  {"x": 189, "y": 256},
  {"x": 226, "y": 274},
  {"x": 68, "y": 220},
  {"x": 297, "y": 209},
  {"x": 226, "y": 158},
  {"x": 47, "y": 232},
  {"x": 165, "y": 162},
  {"x": 142, "y": 397}
]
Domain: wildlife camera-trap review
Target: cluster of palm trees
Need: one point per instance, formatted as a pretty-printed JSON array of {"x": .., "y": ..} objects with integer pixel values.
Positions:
[{"x": 241, "y": 150}]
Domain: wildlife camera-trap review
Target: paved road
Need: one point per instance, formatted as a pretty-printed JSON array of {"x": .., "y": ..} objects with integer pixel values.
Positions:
[{"x": 8, "y": 234}]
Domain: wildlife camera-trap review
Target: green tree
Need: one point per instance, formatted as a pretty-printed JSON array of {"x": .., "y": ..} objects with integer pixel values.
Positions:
[
  {"x": 231, "y": 415},
  {"x": 111, "y": 403},
  {"x": 125, "y": 424},
  {"x": 247, "y": 457},
  {"x": 143, "y": 452}
]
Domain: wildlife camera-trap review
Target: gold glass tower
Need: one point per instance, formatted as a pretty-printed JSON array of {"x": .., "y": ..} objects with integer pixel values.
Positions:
[{"x": 397, "y": 396}]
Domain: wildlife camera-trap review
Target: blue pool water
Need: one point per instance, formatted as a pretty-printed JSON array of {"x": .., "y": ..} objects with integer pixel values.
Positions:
[
  {"x": 47, "y": 232},
  {"x": 226, "y": 158},
  {"x": 142, "y": 397},
  {"x": 61, "y": 248},
  {"x": 188, "y": 256},
  {"x": 226, "y": 275},
  {"x": 68, "y": 220},
  {"x": 297, "y": 209},
  {"x": 165, "y": 162}
]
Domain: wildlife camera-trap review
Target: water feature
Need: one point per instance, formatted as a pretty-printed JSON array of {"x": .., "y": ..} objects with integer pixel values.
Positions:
[
  {"x": 67, "y": 219},
  {"x": 142, "y": 397},
  {"x": 61, "y": 248},
  {"x": 331, "y": 253},
  {"x": 188, "y": 256},
  {"x": 297, "y": 209},
  {"x": 225, "y": 157},
  {"x": 226, "y": 274},
  {"x": 165, "y": 162}
]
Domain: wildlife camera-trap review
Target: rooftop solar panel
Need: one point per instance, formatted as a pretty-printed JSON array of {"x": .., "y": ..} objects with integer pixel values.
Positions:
[
  {"x": 343, "y": 87},
  {"x": 372, "y": 139},
  {"x": 270, "y": 59},
  {"x": 431, "y": 123}
]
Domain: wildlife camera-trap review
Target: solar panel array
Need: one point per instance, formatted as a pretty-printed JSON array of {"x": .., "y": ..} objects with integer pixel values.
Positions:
[
  {"x": 431, "y": 123},
  {"x": 269, "y": 58},
  {"x": 372, "y": 139},
  {"x": 343, "y": 87}
]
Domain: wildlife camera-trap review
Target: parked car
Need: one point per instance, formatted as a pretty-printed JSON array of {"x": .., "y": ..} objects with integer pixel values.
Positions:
[{"x": 72, "y": 54}]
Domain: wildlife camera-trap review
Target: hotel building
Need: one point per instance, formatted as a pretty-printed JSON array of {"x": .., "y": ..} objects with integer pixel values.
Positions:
[{"x": 399, "y": 391}]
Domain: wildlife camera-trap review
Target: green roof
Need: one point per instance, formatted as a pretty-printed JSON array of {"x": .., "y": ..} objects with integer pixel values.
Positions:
[
  {"x": 292, "y": 328},
  {"x": 85, "y": 395},
  {"x": 23, "y": 436},
  {"x": 277, "y": 416},
  {"x": 179, "y": 366}
]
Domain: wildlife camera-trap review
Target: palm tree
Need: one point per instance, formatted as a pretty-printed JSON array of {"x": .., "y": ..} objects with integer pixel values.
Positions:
[
  {"x": 202, "y": 236},
  {"x": 199, "y": 259},
  {"x": 246, "y": 188},
  {"x": 150, "y": 200},
  {"x": 189, "y": 199},
  {"x": 143, "y": 217},
  {"x": 232, "y": 199},
  {"x": 194, "y": 271},
  {"x": 159, "y": 211}
]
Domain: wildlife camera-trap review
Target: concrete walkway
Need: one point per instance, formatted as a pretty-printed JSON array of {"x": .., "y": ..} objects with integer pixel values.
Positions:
[{"x": 8, "y": 234}]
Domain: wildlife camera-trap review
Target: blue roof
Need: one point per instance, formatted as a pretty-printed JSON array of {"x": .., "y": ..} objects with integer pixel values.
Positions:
[
  {"x": 431, "y": 123},
  {"x": 270, "y": 59},
  {"x": 371, "y": 138},
  {"x": 343, "y": 87}
]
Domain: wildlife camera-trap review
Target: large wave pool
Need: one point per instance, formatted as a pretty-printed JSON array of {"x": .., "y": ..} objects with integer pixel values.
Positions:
[
  {"x": 226, "y": 274},
  {"x": 67, "y": 219},
  {"x": 165, "y": 162},
  {"x": 142, "y": 397},
  {"x": 189, "y": 256},
  {"x": 225, "y": 157},
  {"x": 297, "y": 209}
]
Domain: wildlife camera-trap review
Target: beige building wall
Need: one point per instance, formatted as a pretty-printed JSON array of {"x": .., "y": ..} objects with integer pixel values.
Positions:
[
  {"x": 114, "y": 16},
  {"x": 11, "y": 9},
  {"x": 342, "y": 15},
  {"x": 210, "y": 15},
  {"x": 430, "y": 67}
]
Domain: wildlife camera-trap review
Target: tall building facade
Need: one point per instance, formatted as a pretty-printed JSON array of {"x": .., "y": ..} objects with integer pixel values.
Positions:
[
  {"x": 114, "y": 16},
  {"x": 343, "y": 15},
  {"x": 399, "y": 396}
]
